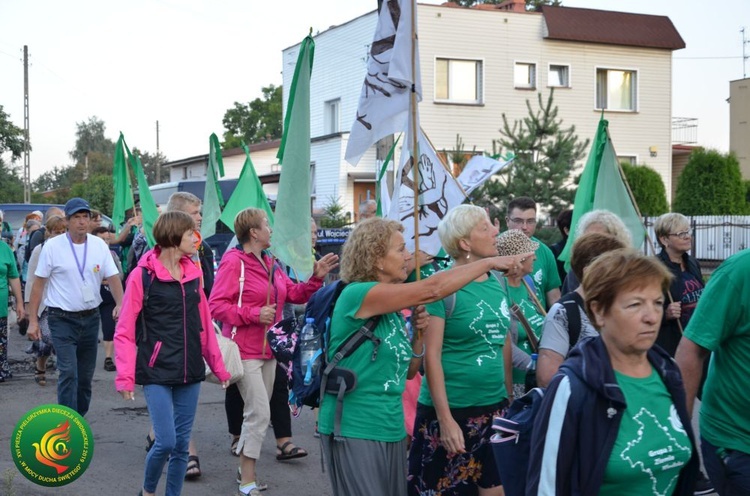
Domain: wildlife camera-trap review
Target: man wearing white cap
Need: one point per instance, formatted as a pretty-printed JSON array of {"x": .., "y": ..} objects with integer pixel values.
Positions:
[{"x": 73, "y": 267}]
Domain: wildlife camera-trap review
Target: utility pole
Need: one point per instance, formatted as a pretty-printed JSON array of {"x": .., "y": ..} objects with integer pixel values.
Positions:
[
  {"x": 158, "y": 166},
  {"x": 26, "y": 156}
]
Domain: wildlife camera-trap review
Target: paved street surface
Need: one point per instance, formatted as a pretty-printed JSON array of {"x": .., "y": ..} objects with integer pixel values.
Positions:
[{"x": 120, "y": 428}]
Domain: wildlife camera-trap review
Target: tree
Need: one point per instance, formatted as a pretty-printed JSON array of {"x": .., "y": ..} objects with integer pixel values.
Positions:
[
  {"x": 58, "y": 177},
  {"x": 546, "y": 153},
  {"x": 333, "y": 214},
  {"x": 12, "y": 143},
  {"x": 98, "y": 190},
  {"x": 151, "y": 162},
  {"x": 255, "y": 121},
  {"x": 90, "y": 138},
  {"x": 535, "y": 5},
  {"x": 648, "y": 189},
  {"x": 711, "y": 184}
]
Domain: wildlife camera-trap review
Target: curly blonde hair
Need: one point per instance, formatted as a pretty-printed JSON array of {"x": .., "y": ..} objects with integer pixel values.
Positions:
[{"x": 367, "y": 244}]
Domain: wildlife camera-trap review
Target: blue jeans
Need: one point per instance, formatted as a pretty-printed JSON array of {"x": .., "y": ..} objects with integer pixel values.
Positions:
[
  {"x": 172, "y": 410},
  {"x": 729, "y": 470},
  {"x": 75, "y": 340}
]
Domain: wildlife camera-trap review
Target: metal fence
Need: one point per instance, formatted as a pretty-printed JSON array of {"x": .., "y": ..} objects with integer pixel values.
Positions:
[{"x": 715, "y": 237}]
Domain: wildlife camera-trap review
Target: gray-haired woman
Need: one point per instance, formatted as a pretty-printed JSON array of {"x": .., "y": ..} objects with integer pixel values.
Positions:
[{"x": 468, "y": 370}]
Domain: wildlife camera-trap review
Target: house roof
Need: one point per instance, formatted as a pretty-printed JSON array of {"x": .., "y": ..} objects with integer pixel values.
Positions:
[
  {"x": 612, "y": 28},
  {"x": 255, "y": 147}
]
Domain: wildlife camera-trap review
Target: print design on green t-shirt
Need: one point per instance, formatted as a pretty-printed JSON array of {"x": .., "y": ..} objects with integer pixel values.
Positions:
[
  {"x": 663, "y": 458},
  {"x": 488, "y": 331},
  {"x": 398, "y": 341}
]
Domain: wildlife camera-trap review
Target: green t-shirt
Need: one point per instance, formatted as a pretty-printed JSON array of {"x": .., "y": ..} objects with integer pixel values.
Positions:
[
  {"x": 373, "y": 410},
  {"x": 651, "y": 446},
  {"x": 545, "y": 275},
  {"x": 8, "y": 270},
  {"x": 721, "y": 324},
  {"x": 520, "y": 296},
  {"x": 427, "y": 270},
  {"x": 473, "y": 342}
]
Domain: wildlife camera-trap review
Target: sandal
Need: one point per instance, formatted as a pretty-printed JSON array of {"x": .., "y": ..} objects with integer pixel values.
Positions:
[
  {"x": 233, "y": 448},
  {"x": 39, "y": 377},
  {"x": 288, "y": 451},
  {"x": 193, "y": 468},
  {"x": 149, "y": 442}
]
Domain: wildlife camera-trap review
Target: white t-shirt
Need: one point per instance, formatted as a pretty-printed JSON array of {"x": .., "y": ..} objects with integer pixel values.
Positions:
[
  {"x": 65, "y": 287},
  {"x": 555, "y": 335}
]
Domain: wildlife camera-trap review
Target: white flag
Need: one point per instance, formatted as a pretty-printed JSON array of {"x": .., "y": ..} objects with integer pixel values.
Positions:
[
  {"x": 478, "y": 170},
  {"x": 384, "y": 101},
  {"x": 438, "y": 193}
]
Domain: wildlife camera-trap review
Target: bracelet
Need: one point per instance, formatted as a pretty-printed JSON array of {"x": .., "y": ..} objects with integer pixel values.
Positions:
[{"x": 414, "y": 355}]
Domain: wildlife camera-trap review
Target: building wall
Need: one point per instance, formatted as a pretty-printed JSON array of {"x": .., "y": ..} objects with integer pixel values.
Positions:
[
  {"x": 506, "y": 37},
  {"x": 517, "y": 37},
  {"x": 739, "y": 123}
]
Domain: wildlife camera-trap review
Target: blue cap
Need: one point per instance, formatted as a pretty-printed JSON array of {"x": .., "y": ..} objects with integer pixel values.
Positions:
[{"x": 76, "y": 205}]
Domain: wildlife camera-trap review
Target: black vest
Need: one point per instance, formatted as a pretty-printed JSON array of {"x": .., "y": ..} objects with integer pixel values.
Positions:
[{"x": 169, "y": 349}]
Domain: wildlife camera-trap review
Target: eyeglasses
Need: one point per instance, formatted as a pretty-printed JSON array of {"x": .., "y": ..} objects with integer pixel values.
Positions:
[
  {"x": 528, "y": 222},
  {"x": 683, "y": 234}
]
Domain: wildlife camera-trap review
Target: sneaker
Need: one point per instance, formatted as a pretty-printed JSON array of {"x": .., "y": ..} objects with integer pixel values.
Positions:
[
  {"x": 703, "y": 485},
  {"x": 109, "y": 365}
]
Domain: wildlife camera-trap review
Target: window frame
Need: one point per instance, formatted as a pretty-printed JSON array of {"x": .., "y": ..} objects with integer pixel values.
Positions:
[
  {"x": 634, "y": 90},
  {"x": 631, "y": 157},
  {"x": 328, "y": 107},
  {"x": 532, "y": 85},
  {"x": 479, "y": 81},
  {"x": 570, "y": 77}
]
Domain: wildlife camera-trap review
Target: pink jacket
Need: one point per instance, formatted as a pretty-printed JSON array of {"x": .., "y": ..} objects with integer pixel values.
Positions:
[
  {"x": 125, "y": 331},
  {"x": 225, "y": 293}
]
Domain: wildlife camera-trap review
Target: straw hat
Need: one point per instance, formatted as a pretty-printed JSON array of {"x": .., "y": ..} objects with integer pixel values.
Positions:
[{"x": 514, "y": 242}]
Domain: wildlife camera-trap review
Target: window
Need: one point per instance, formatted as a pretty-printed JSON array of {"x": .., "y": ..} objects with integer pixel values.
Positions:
[
  {"x": 312, "y": 180},
  {"x": 184, "y": 172},
  {"x": 616, "y": 89},
  {"x": 331, "y": 116},
  {"x": 628, "y": 159},
  {"x": 458, "y": 81},
  {"x": 558, "y": 76},
  {"x": 524, "y": 75}
]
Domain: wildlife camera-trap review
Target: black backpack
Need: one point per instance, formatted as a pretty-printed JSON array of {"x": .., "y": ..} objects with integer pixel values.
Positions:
[
  {"x": 328, "y": 376},
  {"x": 572, "y": 302}
]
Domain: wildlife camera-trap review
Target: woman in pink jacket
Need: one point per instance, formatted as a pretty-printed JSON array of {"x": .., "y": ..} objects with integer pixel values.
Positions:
[
  {"x": 266, "y": 289},
  {"x": 163, "y": 333}
]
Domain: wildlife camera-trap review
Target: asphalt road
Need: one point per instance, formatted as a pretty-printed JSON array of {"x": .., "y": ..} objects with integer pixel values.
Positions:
[{"x": 120, "y": 427}]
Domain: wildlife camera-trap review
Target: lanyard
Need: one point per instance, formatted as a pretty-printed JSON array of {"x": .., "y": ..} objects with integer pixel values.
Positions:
[{"x": 80, "y": 267}]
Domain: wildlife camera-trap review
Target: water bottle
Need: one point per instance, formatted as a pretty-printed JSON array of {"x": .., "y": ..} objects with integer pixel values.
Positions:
[
  {"x": 530, "y": 382},
  {"x": 309, "y": 347}
]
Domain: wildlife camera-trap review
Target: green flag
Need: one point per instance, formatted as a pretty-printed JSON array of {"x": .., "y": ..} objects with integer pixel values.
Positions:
[
  {"x": 213, "y": 201},
  {"x": 148, "y": 207},
  {"x": 248, "y": 193},
  {"x": 291, "y": 241},
  {"x": 123, "y": 189},
  {"x": 602, "y": 187},
  {"x": 381, "y": 188}
]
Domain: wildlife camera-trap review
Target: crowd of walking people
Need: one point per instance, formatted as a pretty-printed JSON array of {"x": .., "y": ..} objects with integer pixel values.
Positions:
[{"x": 620, "y": 343}]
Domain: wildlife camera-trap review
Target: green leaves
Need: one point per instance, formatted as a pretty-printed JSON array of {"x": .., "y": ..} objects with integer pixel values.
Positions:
[
  {"x": 648, "y": 189},
  {"x": 711, "y": 184},
  {"x": 254, "y": 121}
]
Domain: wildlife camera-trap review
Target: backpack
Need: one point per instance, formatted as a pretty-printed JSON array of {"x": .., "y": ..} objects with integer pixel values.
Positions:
[
  {"x": 572, "y": 302},
  {"x": 308, "y": 388},
  {"x": 511, "y": 442}
]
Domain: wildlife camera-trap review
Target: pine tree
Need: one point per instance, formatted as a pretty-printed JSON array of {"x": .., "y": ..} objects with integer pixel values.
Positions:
[{"x": 546, "y": 154}]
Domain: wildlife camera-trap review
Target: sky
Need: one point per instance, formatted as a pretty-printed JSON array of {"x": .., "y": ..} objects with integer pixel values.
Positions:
[{"x": 185, "y": 62}]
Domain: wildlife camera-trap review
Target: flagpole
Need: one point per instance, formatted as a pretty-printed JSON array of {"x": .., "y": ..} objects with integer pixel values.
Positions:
[
  {"x": 414, "y": 130},
  {"x": 638, "y": 211}
]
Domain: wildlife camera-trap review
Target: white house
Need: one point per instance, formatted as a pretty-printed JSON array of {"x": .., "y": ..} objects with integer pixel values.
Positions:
[{"x": 478, "y": 63}]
